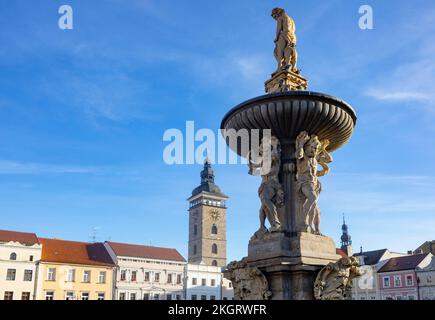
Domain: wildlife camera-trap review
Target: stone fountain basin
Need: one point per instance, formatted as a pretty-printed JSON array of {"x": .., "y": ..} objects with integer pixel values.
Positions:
[{"x": 289, "y": 113}]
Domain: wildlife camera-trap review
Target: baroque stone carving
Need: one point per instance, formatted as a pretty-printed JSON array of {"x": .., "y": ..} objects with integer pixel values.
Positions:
[
  {"x": 249, "y": 283},
  {"x": 310, "y": 152},
  {"x": 270, "y": 192},
  {"x": 285, "y": 40},
  {"x": 334, "y": 281}
]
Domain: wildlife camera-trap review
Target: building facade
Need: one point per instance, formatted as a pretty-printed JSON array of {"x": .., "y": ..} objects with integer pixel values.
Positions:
[
  {"x": 20, "y": 253},
  {"x": 203, "y": 282},
  {"x": 398, "y": 277},
  {"x": 426, "y": 281},
  {"x": 70, "y": 270},
  {"x": 367, "y": 286},
  {"x": 147, "y": 273}
]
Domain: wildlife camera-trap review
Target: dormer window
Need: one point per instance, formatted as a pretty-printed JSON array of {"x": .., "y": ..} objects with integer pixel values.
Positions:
[{"x": 13, "y": 256}]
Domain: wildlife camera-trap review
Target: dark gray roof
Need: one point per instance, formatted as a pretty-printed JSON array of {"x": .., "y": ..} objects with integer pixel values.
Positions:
[
  {"x": 403, "y": 263},
  {"x": 371, "y": 257},
  {"x": 207, "y": 182}
]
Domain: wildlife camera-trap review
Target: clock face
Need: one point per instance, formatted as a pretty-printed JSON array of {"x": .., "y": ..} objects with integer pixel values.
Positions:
[{"x": 214, "y": 214}]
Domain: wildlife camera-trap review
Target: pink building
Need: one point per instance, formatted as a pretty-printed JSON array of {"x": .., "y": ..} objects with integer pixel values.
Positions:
[{"x": 398, "y": 278}]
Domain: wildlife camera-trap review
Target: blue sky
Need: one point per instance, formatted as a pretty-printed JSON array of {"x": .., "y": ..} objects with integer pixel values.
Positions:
[{"x": 83, "y": 113}]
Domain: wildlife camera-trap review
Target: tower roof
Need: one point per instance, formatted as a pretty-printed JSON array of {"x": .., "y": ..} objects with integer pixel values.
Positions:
[
  {"x": 207, "y": 182},
  {"x": 346, "y": 239}
]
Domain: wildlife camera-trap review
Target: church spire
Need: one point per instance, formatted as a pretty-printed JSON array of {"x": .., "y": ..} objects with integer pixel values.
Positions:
[
  {"x": 207, "y": 181},
  {"x": 346, "y": 239}
]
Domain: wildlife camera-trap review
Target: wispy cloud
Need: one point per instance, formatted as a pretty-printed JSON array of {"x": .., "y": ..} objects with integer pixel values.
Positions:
[{"x": 14, "y": 167}]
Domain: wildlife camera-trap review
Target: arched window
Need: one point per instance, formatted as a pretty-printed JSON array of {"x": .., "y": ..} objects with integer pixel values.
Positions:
[
  {"x": 214, "y": 229},
  {"x": 214, "y": 248},
  {"x": 214, "y": 263},
  {"x": 194, "y": 249},
  {"x": 13, "y": 256},
  {"x": 195, "y": 230}
]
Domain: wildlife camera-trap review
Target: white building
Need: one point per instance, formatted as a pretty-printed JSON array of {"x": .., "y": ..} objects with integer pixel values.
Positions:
[
  {"x": 366, "y": 287},
  {"x": 147, "y": 273},
  {"x": 19, "y": 255},
  {"x": 426, "y": 278},
  {"x": 206, "y": 283}
]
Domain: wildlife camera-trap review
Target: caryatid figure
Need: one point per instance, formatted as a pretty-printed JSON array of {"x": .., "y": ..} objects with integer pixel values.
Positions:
[{"x": 285, "y": 40}]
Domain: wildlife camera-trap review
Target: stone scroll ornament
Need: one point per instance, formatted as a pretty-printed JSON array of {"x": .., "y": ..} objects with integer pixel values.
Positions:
[
  {"x": 334, "y": 281},
  {"x": 249, "y": 283},
  {"x": 270, "y": 192},
  {"x": 310, "y": 152}
]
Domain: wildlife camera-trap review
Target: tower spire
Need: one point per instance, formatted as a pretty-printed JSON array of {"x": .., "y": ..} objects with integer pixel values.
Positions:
[{"x": 346, "y": 239}]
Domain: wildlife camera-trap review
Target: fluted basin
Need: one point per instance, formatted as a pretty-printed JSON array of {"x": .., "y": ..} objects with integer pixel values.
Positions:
[{"x": 289, "y": 113}]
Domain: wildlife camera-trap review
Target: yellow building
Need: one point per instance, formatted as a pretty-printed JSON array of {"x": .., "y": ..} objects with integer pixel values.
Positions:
[{"x": 70, "y": 270}]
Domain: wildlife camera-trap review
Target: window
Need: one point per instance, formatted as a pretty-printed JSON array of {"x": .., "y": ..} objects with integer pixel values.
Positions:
[
  {"x": 212, "y": 297},
  {"x": 25, "y": 296},
  {"x": 69, "y": 295},
  {"x": 31, "y": 258},
  {"x": 157, "y": 277},
  {"x": 399, "y": 298},
  {"x": 147, "y": 276},
  {"x": 85, "y": 296},
  {"x": 133, "y": 275},
  {"x": 13, "y": 256},
  {"x": 101, "y": 296},
  {"x": 156, "y": 296},
  {"x": 146, "y": 296},
  {"x": 214, "y": 229},
  {"x": 193, "y": 281},
  {"x": 203, "y": 297},
  {"x": 170, "y": 278},
  {"x": 213, "y": 282},
  {"x": 386, "y": 282},
  {"x": 214, "y": 263},
  {"x": 388, "y": 298},
  {"x": 429, "y": 278},
  {"x": 178, "y": 297},
  {"x": 409, "y": 280},
  {"x": 87, "y": 276},
  {"x": 230, "y": 284},
  {"x": 203, "y": 282},
  {"x": 195, "y": 250},
  {"x": 195, "y": 230},
  {"x": 71, "y": 276},
  {"x": 132, "y": 296},
  {"x": 178, "y": 278},
  {"x": 169, "y": 297},
  {"x": 194, "y": 297},
  {"x": 51, "y": 274},
  {"x": 397, "y": 281},
  {"x": 28, "y": 275},
  {"x": 123, "y": 273},
  {"x": 214, "y": 248},
  {"x": 10, "y": 275},
  {"x": 102, "y": 277},
  {"x": 411, "y": 298},
  {"x": 49, "y": 295},
  {"x": 9, "y": 295},
  {"x": 122, "y": 296}
]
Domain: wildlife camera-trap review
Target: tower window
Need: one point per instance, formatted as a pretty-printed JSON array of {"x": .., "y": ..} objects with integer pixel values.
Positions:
[
  {"x": 214, "y": 229},
  {"x": 194, "y": 249},
  {"x": 195, "y": 229},
  {"x": 214, "y": 263},
  {"x": 214, "y": 248}
]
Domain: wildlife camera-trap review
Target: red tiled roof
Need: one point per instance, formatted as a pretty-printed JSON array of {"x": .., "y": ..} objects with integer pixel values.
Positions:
[
  {"x": 403, "y": 263},
  {"x": 21, "y": 237},
  {"x": 140, "y": 251},
  {"x": 341, "y": 252},
  {"x": 62, "y": 251}
]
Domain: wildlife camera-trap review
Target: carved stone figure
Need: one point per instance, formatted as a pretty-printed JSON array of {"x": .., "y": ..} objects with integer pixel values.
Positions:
[
  {"x": 270, "y": 191},
  {"x": 334, "y": 281},
  {"x": 310, "y": 152},
  {"x": 249, "y": 283},
  {"x": 285, "y": 40}
]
